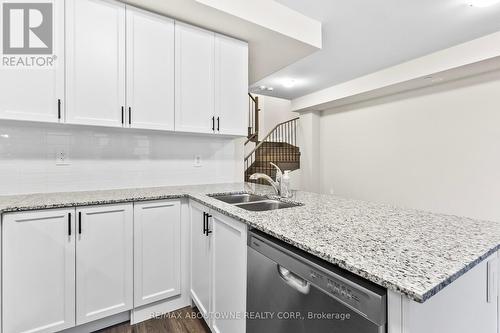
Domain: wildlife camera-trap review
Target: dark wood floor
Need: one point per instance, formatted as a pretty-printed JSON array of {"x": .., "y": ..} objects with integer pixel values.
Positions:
[{"x": 181, "y": 322}]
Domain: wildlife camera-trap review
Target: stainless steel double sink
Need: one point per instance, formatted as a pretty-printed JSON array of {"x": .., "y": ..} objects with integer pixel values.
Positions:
[{"x": 253, "y": 202}]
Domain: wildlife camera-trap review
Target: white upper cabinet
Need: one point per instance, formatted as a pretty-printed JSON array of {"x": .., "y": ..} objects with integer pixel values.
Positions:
[
  {"x": 157, "y": 251},
  {"x": 231, "y": 79},
  {"x": 150, "y": 70},
  {"x": 194, "y": 79},
  {"x": 38, "y": 271},
  {"x": 95, "y": 62},
  {"x": 104, "y": 261},
  {"x": 119, "y": 66},
  {"x": 211, "y": 82},
  {"x": 36, "y": 93}
]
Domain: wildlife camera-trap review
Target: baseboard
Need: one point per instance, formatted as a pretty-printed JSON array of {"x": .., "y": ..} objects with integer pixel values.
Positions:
[
  {"x": 159, "y": 308},
  {"x": 134, "y": 316},
  {"x": 100, "y": 324}
]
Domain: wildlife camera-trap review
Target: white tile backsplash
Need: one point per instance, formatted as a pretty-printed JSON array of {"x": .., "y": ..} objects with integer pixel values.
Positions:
[{"x": 105, "y": 158}]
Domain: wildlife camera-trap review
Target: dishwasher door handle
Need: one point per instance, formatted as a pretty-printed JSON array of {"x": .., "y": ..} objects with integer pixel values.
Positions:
[{"x": 294, "y": 281}]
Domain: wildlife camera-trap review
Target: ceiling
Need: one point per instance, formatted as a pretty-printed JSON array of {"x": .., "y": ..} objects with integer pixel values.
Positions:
[{"x": 364, "y": 36}]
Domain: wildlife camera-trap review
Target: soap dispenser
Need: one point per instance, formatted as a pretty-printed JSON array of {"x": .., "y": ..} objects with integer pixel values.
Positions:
[{"x": 285, "y": 184}]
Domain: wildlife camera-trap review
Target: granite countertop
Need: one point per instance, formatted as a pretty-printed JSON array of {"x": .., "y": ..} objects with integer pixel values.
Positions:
[{"x": 412, "y": 252}]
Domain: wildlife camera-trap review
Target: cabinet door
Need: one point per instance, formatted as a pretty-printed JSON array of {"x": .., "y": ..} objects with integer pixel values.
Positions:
[
  {"x": 104, "y": 261},
  {"x": 157, "y": 267},
  {"x": 231, "y": 99},
  {"x": 462, "y": 307},
  {"x": 229, "y": 273},
  {"x": 194, "y": 79},
  {"x": 200, "y": 259},
  {"x": 38, "y": 271},
  {"x": 30, "y": 93},
  {"x": 150, "y": 70},
  {"x": 95, "y": 58}
]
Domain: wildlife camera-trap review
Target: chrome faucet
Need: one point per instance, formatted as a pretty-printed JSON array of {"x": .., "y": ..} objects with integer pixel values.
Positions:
[{"x": 276, "y": 184}]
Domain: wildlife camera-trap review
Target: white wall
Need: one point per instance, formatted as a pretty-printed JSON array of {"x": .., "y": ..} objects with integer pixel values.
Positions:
[
  {"x": 436, "y": 149},
  {"x": 106, "y": 158},
  {"x": 308, "y": 139},
  {"x": 274, "y": 111}
]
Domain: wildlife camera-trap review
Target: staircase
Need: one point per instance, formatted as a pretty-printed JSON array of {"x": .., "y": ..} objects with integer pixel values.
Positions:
[{"x": 279, "y": 146}]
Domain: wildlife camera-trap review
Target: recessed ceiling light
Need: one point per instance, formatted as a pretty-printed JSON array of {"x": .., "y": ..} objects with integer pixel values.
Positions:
[
  {"x": 270, "y": 88},
  {"x": 483, "y": 3},
  {"x": 262, "y": 87},
  {"x": 288, "y": 83}
]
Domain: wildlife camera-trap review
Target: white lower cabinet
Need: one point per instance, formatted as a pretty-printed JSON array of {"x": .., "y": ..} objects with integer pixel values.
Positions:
[
  {"x": 157, "y": 251},
  {"x": 38, "y": 271},
  {"x": 104, "y": 261},
  {"x": 67, "y": 267},
  {"x": 200, "y": 258},
  {"x": 469, "y": 304},
  {"x": 218, "y": 269},
  {"x": 229, "y": 274}
]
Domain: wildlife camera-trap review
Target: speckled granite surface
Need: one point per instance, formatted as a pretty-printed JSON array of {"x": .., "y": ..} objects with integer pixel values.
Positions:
[{"x": 408, "y": 251}]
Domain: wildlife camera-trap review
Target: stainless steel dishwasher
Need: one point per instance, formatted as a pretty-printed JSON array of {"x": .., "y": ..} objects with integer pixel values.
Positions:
[{"x": 291, "y": 291}]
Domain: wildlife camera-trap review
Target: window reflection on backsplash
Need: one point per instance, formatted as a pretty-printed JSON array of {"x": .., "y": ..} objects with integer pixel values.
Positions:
[{"x": 103, "y": 158}]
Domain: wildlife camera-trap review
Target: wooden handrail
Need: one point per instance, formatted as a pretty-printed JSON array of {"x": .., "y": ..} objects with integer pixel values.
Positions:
[
  {"x": 250, "y": 138},
  {"x": 253, "y": 98},
  {"x": 267, "y": 136}
]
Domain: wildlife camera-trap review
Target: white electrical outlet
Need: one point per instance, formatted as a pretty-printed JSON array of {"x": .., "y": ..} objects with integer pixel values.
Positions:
[
  {"x": 197, "y": 161},
  {"x": 62, "y": 157}
]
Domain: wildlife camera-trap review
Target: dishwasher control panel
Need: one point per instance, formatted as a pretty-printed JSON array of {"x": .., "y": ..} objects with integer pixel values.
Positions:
[
  {"x": 335, "y": 287},
  {"x": 340, "y": 290}
]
